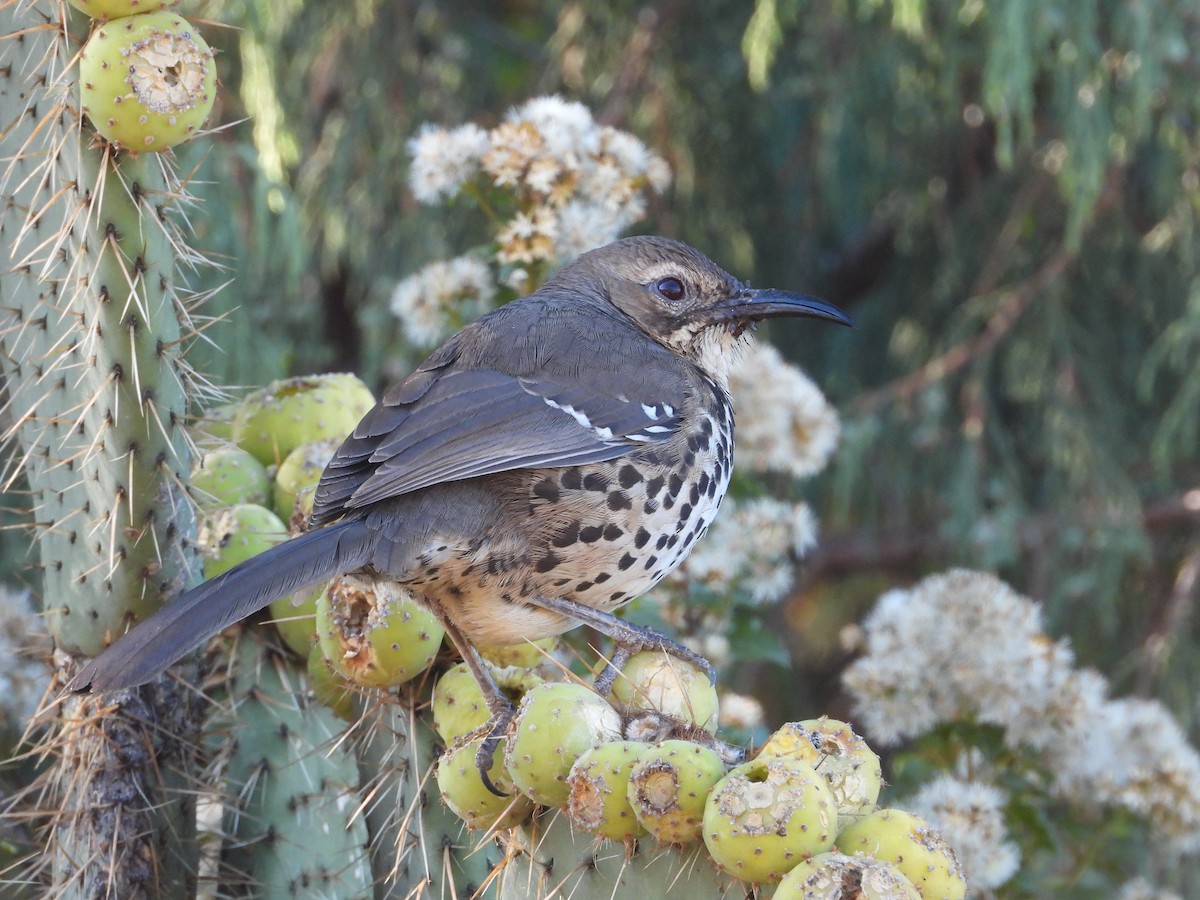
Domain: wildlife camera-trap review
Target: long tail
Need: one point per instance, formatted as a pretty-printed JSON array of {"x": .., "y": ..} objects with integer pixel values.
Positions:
[{"x": 190, "y": 620}]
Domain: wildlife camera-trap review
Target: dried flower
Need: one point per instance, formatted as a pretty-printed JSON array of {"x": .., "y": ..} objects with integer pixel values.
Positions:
[
  {"x": 749, "y": 549},
  {"x": 785, "y": 424},
  {"x": 443, "y": 161},
  {"x": 441, "y": 297},
  {"x": 970, "y": 816}
]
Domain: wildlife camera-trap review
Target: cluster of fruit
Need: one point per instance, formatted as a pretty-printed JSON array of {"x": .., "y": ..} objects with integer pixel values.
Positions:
[
  {"x": 643, "y": 761},
  {"x": 255, "y": 485},
  {"x": 146, "y": 76},
  {"x": 802, "y": 810}
]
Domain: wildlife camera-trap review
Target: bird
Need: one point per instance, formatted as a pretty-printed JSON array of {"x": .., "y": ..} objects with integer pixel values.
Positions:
[{"x": 549, "y": 463}]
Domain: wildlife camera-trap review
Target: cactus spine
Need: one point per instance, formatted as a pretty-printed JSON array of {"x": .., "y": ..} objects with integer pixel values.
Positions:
[{"x": 91, "y": 326}]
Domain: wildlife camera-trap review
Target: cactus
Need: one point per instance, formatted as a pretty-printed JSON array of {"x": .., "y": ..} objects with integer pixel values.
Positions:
[
  {"x": 547, "y": 858},
  {"x": 292, "y": 822},
  {"x": 92, "y": 327}
]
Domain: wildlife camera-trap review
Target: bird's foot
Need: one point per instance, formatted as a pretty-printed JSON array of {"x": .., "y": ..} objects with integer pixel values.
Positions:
[
  {"x": 631, "y": 639},
  {"x": 492, "y": 730}
]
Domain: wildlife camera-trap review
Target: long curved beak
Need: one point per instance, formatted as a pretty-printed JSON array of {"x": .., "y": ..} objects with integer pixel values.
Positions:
[{"x": 754, "y": 304}]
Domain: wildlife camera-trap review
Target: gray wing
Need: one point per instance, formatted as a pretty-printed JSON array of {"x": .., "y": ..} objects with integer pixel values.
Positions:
[{"x": 447, "y": 423}]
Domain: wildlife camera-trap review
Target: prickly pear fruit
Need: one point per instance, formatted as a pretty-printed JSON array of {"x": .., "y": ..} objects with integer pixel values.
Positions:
[
  {"x": 373, "y": 633},
  {"x": 913, "y": 847},
  {"x": 274, "y": 421},
  {"x": 147, "y": 82},
  {"x": 458, "y": 706},
  {"x": 653, "y": 680},
  {"x": 599, "y": 790},
  {"x": 227, "y": 476},
  {"x": 300, "y": 469},
  {"x": 234, "y": 535},
  {"x": 669, "y": 786},
  {"x": 840, "y": 756},
  {"x": 766, "y": 815},
  {"x": 115, "y": 9},
  {"x": 835, "y": 876},
  {"x": 526, "y": 655},
  {"x": 464, "y": 792},
  {"x": 295, "y": 617},
  {"x": 556, "y": 723},
  {"x": 329, "y": 687}
]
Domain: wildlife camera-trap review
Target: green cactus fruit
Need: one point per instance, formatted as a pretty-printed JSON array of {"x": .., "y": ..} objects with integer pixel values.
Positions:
[
  {"x": 147, "y": 82},
  {"x": 835, "y": 876},
  {"x": 227, "y": 476},
  {"x": 374, "y": 633},
  {"x": 669, "y": 786},
  {"x": 301, "y": 510},
  {"x": 526, "y": 655},
  {"x": 653, "y": 680},
  {"x": 115, "y": 9},
  {"x": 464, "y": 792},
  {"x": 329, "y": 687},
  {"x": 840, "y": 756},
  {"x": 598, "y": 786},
  {"x": 274, "y": 421},
  {"x": 766, "y": 815},
  {"x": 230, "y": 536},
  {"x": 214, "y": 428},
  {"x": 909, "y": 843},
  {"x": 556, "y": 723},
  {"x": 295, "y": 618},
  {"x": 301, "y": 469},
  {"x": 458, "y": 706}
]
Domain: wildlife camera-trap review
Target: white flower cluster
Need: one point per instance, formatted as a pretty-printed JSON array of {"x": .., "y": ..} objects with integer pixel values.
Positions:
[
  {"x": 443, "y": 296},
  {"x": 1132, "y": 753},
  {"x": 970, "y": 816},
  {"x": 578, "y": 183},
  {"x": 784, "y": 422},
  {"x": 24, "y": 650},
  {"x": 1141, "y": 889},
  {"x": 750, "y": 549},
  {"x": 965, "y": 646},
  {"x": 740, "y": 711}
]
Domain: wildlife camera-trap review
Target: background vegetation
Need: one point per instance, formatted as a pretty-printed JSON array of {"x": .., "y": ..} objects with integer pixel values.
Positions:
[{"x": 1004, "y": 195}]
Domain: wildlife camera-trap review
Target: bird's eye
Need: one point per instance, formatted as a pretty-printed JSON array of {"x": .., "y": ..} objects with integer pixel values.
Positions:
[{"x": 669, "y": 288}]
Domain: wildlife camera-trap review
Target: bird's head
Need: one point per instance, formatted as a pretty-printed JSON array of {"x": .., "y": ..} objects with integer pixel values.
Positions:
[{"x": 685, "y": 301}]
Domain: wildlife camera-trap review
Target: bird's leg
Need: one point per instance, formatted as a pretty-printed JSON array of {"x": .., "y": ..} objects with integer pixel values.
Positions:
[
  {"x": 500, "y": 707},
  {"x": 629, "y": 639}
]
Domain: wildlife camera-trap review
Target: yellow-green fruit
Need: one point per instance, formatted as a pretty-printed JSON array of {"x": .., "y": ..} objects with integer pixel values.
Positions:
[
  {"x": 227, "y": 476},
  {"x": 230, "y": 536},
  {"x": 464, "y": 792},
  {"x": 653, "y": 680},
  {"x": 526, "y": 655},
  {"x": 295, "y": 617},
  {"x": 301, "y": 510},
  {"x": 835, "y": 876},
  {"x": 840, "y": 756},
  {"x": 301, "y": 469},
  {"x": 669, "y": 786},
  {"x": 274, "y": 421},
  {"x": 115, "y": 9},
  {"x": 598, "y": 783},
  {"x": 215, "y": 427},
  {"x": 330, "y": 688},
  {"x": 458, "y": 706},
  {"x": 913, "y": 847},
  {"x": 556, "y": 723},
  {"x": 373, "y": 633},
  {"x": 766, "y": 815},
  {"x": 147, "y": 82}
]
